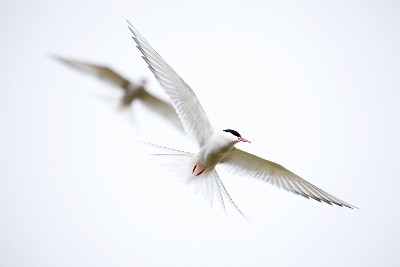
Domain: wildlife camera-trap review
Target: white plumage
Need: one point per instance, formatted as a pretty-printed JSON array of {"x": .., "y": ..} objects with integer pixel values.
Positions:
[{"x": 217, "y": 147}]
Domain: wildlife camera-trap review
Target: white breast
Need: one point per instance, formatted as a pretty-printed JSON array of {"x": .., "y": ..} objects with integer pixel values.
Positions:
[{"x": 216, "y": 148}]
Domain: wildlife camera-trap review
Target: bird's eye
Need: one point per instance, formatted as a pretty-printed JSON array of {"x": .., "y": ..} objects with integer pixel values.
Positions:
[{"x": 235, "y": 133}]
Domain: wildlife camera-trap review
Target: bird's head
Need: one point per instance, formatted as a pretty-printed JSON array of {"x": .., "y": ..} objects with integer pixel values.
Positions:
[{"x": 234, "y": 136}]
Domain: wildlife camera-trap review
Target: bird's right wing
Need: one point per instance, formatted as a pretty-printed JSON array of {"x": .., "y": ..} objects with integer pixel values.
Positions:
[
  {"x": 248, "y": 164},
  {"x": 102, "y": 72},
  {"x": 162, "y": 109},
  {"x": 193, "y": 118}
]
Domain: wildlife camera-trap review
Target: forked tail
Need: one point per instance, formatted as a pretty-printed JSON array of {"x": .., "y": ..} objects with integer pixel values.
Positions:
[{"x": 209, "y": 183}]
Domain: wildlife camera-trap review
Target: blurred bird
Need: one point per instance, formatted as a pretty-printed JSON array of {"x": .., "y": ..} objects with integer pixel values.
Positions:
[
  {"x": 132, "y": 91},
  {"x": 216, "y": 148}
]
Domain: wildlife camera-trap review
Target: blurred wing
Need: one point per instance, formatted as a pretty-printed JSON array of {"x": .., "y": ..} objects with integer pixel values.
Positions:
[
  {"x": 102, "y": 72},
  {"x": 190, "y": 112},
  {"x": 248, "y": 164},
  {"x": 132, "y": 91},
  {"x": 162, "y": 109}
]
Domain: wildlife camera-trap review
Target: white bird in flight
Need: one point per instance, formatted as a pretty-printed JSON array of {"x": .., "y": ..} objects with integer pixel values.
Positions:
[
  {"x": 132, "y": 91},
  {"x": 217, "y": 148}
]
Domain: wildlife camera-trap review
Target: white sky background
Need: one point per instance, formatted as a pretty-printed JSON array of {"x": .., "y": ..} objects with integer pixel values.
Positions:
[{"x": 313, "y": 85}]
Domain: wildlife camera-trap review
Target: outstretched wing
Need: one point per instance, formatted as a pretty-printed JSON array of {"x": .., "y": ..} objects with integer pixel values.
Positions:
[
  {"x": 248, "y": 164},
  {"x": 102, "y": 72},
  {"x": 193, "y": 118}
]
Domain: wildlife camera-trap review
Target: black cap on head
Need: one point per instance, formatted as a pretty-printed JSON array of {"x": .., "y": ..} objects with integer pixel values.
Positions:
[{"x": 233, "y": 132}]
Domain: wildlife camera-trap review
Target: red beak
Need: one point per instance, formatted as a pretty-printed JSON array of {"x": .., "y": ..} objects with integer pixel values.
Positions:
[{"x": 243, "y": 140}]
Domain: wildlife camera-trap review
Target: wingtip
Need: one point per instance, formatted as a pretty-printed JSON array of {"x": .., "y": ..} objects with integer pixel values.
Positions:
[
  {"x": 56, "y": 57},
  {"x": 343, "y": 205},
  {"x": 353, "y": 207},
  {"x": 62, "y": 59},
  {"x": 131, "y": 28}
]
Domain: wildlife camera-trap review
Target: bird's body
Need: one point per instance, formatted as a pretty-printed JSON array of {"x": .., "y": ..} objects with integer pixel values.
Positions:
[
  {"x": 132, "y": 91},
  {"x": 217, "y": 148}
]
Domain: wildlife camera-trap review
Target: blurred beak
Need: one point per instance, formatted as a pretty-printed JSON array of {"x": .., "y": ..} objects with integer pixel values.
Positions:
[{"x": 243, "y": 140}]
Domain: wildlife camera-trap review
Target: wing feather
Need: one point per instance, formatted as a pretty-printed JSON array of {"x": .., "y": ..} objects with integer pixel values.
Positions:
[
  {"x": 248, "y": 164},
  {"x": 193, "y": 118},
  {"x": 102, "y": 72}
]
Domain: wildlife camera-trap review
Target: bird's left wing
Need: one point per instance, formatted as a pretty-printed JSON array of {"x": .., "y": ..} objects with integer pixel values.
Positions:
[
  {"x": 102, "y": 72},
  {"x": 248, "y": 164},
  {"x": 193, "y": 118}
]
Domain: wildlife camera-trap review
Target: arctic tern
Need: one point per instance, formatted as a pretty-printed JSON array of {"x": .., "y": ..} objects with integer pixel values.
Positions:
[
  {"x": 132, "y": 90},
  {"x": 217, "y": 148}
]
